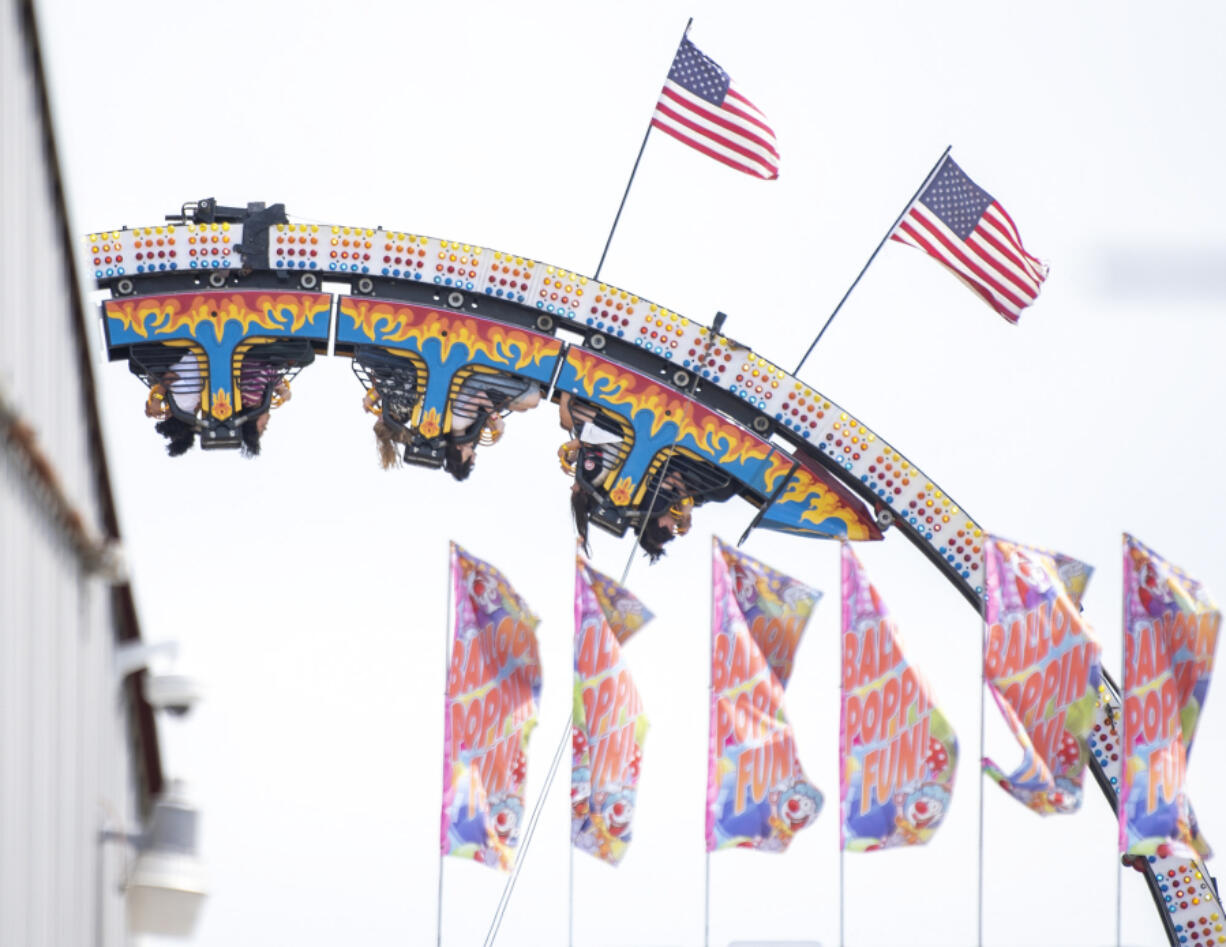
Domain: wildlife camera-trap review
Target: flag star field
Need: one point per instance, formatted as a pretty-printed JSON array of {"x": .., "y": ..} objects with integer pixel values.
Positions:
[{"x": 957, "y": 201}]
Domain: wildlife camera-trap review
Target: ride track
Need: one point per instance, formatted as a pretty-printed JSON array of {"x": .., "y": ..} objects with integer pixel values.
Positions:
[{"x": 220, "y": 278}]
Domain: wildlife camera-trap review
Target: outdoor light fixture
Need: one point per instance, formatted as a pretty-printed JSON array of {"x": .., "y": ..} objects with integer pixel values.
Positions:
[
  {"x": 165, "y": 690},
  {"x": 165, "y": 887}
]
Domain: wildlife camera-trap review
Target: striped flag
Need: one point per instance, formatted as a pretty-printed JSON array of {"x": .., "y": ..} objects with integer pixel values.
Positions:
[
  {"x": 959, "y": 223},
  {"x": 700, "y": 107}
]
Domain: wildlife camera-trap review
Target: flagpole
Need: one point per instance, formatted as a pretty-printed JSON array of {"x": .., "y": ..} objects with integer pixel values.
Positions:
[
  {"x": 633, "y": 172},
  {"x": 706, "y": 904},
  {"x": 1119, "y": 905},
  {"x": 1119, "y": 799},
  {"x": 570, "y": 888},
  {"x": 570, "y": 871},
  {"x": 446, "y": 671},
  {"x": 841, "y": 897},
  {"x": 842, "y": 767},
  {"x": 982, "y": 723},
  {"x": 935, "y": 168}
]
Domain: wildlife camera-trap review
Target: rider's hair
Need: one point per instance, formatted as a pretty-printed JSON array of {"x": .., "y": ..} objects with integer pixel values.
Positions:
[
  {"x": 179, "y": 435},
  {"x": 454, "y": 462}
]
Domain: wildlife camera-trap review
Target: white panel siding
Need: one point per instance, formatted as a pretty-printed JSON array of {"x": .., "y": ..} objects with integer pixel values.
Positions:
[{"x": 66, "y": 763}]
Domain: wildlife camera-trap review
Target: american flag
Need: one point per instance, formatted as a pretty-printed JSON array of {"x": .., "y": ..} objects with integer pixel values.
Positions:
[
  {"x": 700, "y": 107},
  {"x": 959, "y": 223}
]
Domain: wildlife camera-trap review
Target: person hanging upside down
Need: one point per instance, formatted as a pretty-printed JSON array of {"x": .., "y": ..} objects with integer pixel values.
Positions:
[
  {"x": 263, "y": 386},
  {"x": 476, "y": 415},
  {"x": 391, "y": 396},
  {"x": 254, "y": 380},
  {"x": 590, "y": 455},
  {"x": 669, "y": 514},
  {"x": 175, "y": 378},
  {"x": 684, "y": 481}
]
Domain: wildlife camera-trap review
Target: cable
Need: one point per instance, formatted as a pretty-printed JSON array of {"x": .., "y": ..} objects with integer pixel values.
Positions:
[{"x": 509, "y": 889}]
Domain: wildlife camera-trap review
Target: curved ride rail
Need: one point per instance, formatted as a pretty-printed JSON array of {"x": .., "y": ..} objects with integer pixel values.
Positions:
[
  {"x": 257, "y": 254},
  {"x": 217, "y": 275}
]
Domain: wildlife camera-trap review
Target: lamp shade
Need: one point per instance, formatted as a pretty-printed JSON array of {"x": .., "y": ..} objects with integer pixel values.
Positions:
[{"x": 166, "y": 889}]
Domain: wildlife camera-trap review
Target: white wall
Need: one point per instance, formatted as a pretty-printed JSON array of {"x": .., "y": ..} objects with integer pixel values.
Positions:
[{"x": 66, "y": 764}]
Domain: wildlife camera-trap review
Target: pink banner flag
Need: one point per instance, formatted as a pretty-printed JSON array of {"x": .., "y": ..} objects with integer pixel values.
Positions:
[
  {"x": 609, "y": 725},
  {"x": 1170, "y": 637},
  {"x": 757, "y": 793},
  {"x": 897, "y": 751},
  {"x": 493, "y": 685},
  {"x": 1042, "y": 663}
]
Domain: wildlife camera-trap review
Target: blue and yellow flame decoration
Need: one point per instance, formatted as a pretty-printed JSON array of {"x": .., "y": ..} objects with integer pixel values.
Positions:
[
  {"x": 662, "y": 418},
  {"x": 446, "y": 341},
  {"x": 218, "y": 322}
]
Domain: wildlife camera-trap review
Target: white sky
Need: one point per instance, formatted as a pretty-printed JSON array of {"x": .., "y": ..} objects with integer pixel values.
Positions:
[{"x": 308, "y": 587}]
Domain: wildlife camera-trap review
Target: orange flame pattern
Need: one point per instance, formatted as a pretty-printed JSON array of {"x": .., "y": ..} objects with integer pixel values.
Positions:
[
  {"x": 221, "y": 408},
  {"x": 779, "y": 465},
  {"x": 431, "y": 423},
  {"x": 620, "y": 495},
  {"x": 383, "y": 321},
  {"x": 727, "y": 442},
  {"x": 617, "y": 385},
  {"x": 162, "y": 315}
]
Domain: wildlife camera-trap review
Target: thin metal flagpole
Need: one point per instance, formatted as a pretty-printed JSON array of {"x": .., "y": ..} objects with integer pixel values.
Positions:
[
  {"x": 842, "y": 769},
  {"x": 570, "y": 872},
  {"x": 570, "y": 899},
  {"x": 889, "y": 233},
  {"x": 1119, "y": 810},
  {"x": 706, "y": 904},
  {"x": 841, "y": 890},
  {"x": 633, "y": 172},
  {"x": 446, "y": 762},
  {"x": 982, "y": 725}
]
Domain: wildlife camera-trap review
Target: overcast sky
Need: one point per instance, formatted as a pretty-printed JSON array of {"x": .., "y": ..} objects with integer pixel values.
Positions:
[{"x": 307, "y": 587}]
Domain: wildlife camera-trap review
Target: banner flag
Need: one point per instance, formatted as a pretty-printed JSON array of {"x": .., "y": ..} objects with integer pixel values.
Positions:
[
  {"x": 757, "y": 793},
  {"x": 1042, "y": 663},
  {"x": 1170, "y": 636},
  {"x": 898, "y": 754},
  {"x": 624, "y": 613},
  {"x": 609, "y": 725},
  {"x": 493, "y": 686}
]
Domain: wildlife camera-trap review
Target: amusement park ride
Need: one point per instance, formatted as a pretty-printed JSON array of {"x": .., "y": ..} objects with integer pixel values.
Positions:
[{"x": 241, "y": 293}]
